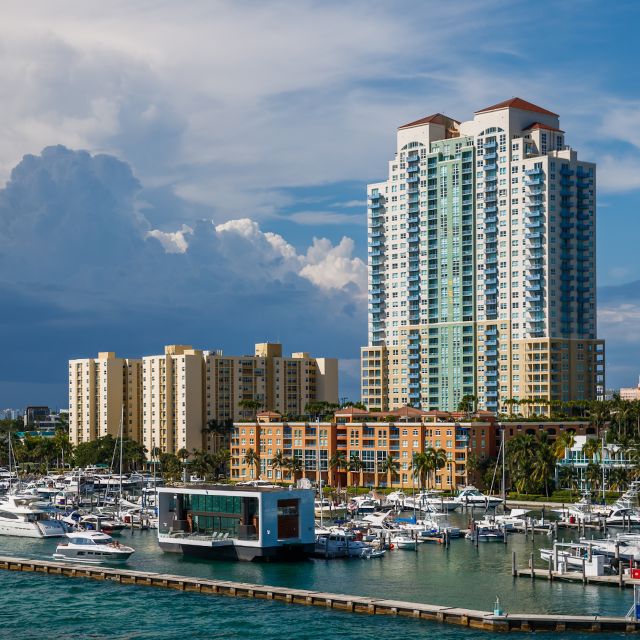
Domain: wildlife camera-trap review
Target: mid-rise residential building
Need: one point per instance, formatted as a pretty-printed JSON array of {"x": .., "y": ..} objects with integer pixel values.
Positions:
[
  {"x": 375, "y": 437},
  {"x": 274, "y": 382},
  {"x": 482, "y": 266},
  {"x": 171, "y": 398},
  {"x": 101, "y": 391}
]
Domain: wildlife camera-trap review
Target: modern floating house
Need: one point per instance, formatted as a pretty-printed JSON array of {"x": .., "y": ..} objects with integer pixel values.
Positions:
[{"x": 236, "y": 522}]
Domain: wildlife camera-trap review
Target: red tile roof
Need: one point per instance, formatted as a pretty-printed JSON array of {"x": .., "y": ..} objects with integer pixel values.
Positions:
[
  {"x": 436, "y": 118},
  {"x": 406, "y": 411},
  {"x": 539, "y": 125},
  {"x": 518, "y": 103}
]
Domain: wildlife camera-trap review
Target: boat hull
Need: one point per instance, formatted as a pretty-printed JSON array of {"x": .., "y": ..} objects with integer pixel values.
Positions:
[{"x": 285, "y": 553}]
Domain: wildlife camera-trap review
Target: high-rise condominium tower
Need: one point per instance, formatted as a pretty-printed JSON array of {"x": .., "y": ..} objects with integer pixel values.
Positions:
[{"x": 482, "y": 261}]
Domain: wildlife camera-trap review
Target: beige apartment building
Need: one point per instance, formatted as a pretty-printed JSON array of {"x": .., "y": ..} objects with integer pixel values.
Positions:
[
  {"x": 170, "y": 398},
  {"x": 99, "y": 388}
]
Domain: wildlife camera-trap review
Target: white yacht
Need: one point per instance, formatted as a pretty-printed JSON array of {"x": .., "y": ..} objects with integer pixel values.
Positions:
[
  {"x": 92, "y": 547},
  {"x": 20, "y": 517},
  {"x": 404, "y": 541},
  {"x": 438, "y": 502},
  {"x": 621, "y": 516},
  {"x": 472, "y": 497},
  {"x": 340, "y": 545},
  {"x": 326, "y": 509}
]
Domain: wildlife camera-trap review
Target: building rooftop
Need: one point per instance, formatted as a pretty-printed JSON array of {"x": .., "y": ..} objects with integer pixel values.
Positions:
[
  {"x": 436, "y": 118},
  {"x": 539, "y": 125},
  {"x": 210, "y": 486},
  {"x": 518, "y": 103}
]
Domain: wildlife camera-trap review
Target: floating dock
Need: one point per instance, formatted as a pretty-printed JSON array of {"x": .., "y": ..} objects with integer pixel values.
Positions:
[
  {"x": 577, "y": 576},
  {"x": 356, "y": 604}
]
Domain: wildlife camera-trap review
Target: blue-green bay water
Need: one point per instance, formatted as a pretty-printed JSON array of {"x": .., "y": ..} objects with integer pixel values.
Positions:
[{"x": 466, "y": 576}]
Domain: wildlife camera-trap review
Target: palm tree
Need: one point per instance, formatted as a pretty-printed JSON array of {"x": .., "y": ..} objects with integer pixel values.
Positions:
[
  {"x": 251, "y": 405},
  {"x": 294, "y": 465},
  {"x": 591, "y": 448},
  {"x": 338, "y": 461},
  {"x": 421, "y": 467},
  {"x": 354, "y": 465},
  {"x": 278, "y": 461},
  {"x": 390, "y": 466},
  {"x": 564, "y": 441},
  {"x": 599, "y": 415},
  {"x": 437, "y": 459},
  {"x": 593, "y": 475},
  {"x": 252, "y": 459},
  {"x": 520, "y": 454},
  {"x": 618, "y": 479},
  {"x": 544, "y": 462}
]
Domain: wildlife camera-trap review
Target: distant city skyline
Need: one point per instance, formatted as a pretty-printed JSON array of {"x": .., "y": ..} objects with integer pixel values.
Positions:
[{"x": 164, "y": 181}]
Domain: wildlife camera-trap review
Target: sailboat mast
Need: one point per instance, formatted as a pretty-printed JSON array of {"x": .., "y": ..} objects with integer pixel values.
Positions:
[
  {"x": 504, "y": 486},
  {"x": 121, "y": 437}
]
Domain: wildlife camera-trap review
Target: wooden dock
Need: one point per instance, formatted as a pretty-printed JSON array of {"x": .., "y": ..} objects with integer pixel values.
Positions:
[
  {"x": 356, "y": 604},
  {"x": 617, "y": 580}
]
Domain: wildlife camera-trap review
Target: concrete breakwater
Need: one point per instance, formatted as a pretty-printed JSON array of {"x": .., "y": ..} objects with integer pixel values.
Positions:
[{"x": 356, "y": 604}]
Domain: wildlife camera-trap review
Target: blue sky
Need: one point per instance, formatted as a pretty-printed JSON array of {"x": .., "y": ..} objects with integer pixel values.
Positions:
[{"x": 206, "y": 162}]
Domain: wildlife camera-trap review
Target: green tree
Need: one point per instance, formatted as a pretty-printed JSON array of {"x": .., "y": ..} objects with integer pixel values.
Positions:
[
  {"x": 520, "y": 456},
  {"x": 390, "y": 466},
  {"x": 544, "y": 462},
  {"x": 251, "y": 406},
  {"x": 564, "y": 441},
  {"x": 421, "y": 467},
  {"x": 278, "y": 461},
  {"x": 338, "y": 461},
  {"x": 252, "y": 459},
  {"x": 354, "y": 466},
  {"x": 467, "y": 403},
  {"x": 294, "y": 466}
]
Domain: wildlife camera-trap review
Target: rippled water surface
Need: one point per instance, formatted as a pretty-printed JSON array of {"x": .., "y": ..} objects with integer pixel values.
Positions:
[{"x": 465, "y": 576}]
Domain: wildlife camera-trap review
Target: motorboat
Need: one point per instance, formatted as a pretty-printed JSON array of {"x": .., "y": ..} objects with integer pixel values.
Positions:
[
  {"x": 339, "y": 545},
  {"x": 627, "y": 547},
  {"x": 92, "y": 547},
  {"x": 573, "y": 556},
  {"x": 404, "y": 541},
  {"x": 363, "y": 504},
  {"x": 439, "y": 502},
  {"x": 20, "y": 517},
  {"x": 486, "y": 533},
  {"x": 621, "y": 516},
  {"x": 371, "y": 552},
  {"x": 98, "y": 523},
  {"x": 472, "y": 497},
  {"x": 324, "y": 508},
  {"x": 396, "y": 498}
]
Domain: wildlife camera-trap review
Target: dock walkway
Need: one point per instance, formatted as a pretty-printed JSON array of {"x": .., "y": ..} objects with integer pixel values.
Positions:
[{"x": 357, "y": 604}]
